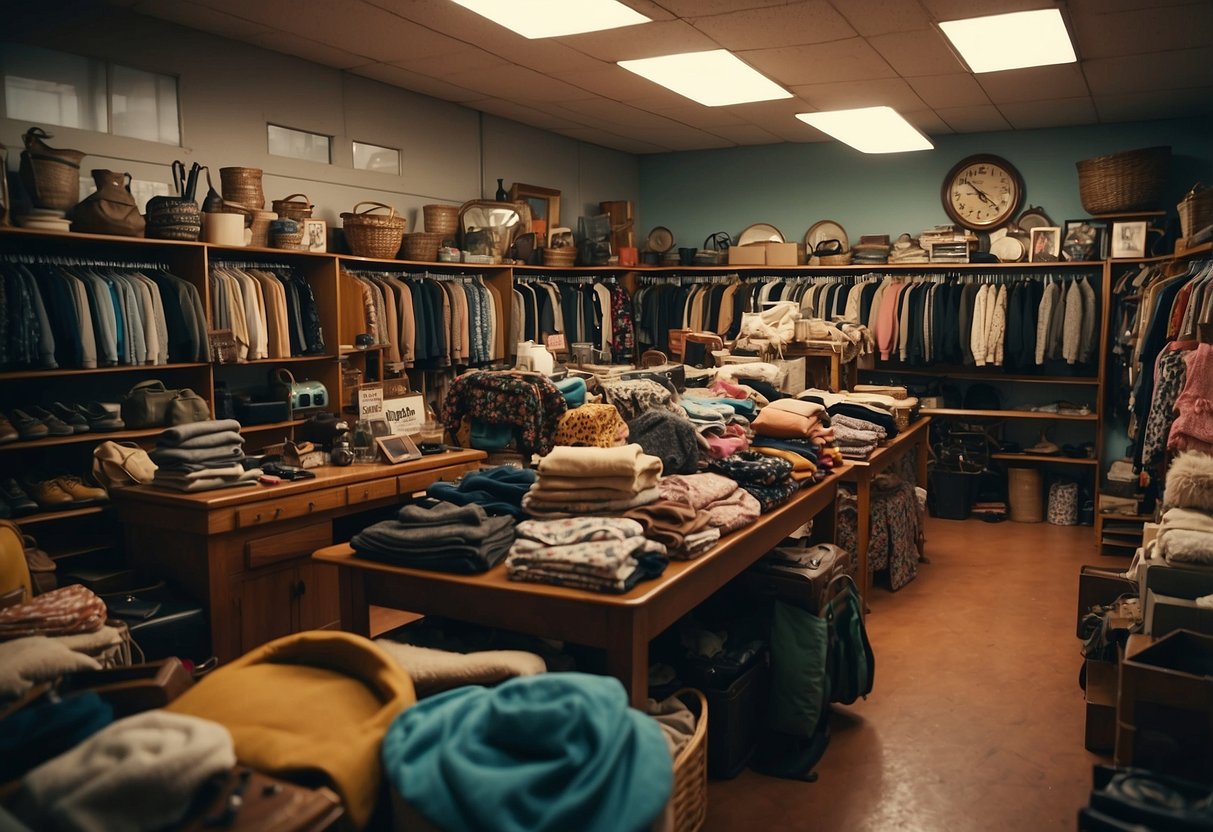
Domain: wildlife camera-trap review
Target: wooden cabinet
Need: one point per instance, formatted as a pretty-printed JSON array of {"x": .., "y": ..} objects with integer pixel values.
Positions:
[{"x": 276, "y": 602}]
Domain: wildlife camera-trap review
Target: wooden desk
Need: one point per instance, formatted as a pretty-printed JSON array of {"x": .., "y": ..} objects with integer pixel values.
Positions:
[
  {"x": 819, "y": 355},
  {"x": 622, "y": 624},
  {"x": 244, "y": 553},
  {"x": 861, "y": 472}
]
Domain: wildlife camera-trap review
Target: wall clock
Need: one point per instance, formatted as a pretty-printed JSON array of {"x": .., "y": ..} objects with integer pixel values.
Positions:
[{"x": 982, "y": 192}]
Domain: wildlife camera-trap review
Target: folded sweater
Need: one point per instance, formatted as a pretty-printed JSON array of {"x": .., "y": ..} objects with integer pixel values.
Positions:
[{"x": 624, "y": 461}]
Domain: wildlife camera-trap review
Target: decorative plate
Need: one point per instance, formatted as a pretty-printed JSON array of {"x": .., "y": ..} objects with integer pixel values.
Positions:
[
  {"x": 760, "y": 232},
  {"x": 660, "y": 239},
  {"x": 1033, "y": 217},
  {"x": 825, "y": 230},
  {"x": 1008, "y": 249}
]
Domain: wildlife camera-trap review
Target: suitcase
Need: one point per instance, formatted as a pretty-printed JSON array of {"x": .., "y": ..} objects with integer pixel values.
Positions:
[{"x": 799, "y": 575}]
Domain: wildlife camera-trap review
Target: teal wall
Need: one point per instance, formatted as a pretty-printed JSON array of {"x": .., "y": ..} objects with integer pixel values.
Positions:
[{"x": 794, "y": 185}]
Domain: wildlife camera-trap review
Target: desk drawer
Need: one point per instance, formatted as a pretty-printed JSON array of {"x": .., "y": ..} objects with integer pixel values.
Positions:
[
  {"x": 364, "y": 492},
  {"x": 297, "y": 543},
  {"x": 302, "y": 505}
]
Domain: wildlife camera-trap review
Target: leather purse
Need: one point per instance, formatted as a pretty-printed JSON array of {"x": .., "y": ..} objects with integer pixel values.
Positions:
[
  {"x": 146, "y": 405},
  {"x": 112, "y": 209},
  {"x": 119, "y": 464},
  {"x": 187, "y": 406}
]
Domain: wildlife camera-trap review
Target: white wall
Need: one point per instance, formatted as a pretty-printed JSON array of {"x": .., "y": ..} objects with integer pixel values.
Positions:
[{"x": 228, "y": 91}]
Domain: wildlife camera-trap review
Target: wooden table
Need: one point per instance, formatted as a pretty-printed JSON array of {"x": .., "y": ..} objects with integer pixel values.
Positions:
[
  {"x": 245, "y": 553},
  {"x": 862, "y": 472},
  {"x": 828, "y": 356},
  {"x": 621, "y": 624}
]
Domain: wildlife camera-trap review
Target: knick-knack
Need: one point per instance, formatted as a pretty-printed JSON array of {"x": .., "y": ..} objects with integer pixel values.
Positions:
[{"x": 502, "y": 196}]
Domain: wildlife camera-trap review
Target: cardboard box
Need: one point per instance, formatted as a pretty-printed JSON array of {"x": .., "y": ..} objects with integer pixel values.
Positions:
[
  {"x": 784, "y": 254},
  {"x": 1136, "y": 643},
  {"x": 792, "y": 380},
  {"x": 1100, "y": 734},
  {"x": 1170, "y": 600},
  {"x": 752, "y": 255},
  {"x": 1098, "y": 585}
]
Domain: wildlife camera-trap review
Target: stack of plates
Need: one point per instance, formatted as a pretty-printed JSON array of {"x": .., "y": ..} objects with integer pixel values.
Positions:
[{"x": 44, "y": 219}]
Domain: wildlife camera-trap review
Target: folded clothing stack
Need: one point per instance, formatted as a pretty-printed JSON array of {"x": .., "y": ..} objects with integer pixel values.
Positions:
[
  {"x": 605, "y": 554},
  {"x": 61, "y": 612},
  {"x": 201, "y": 456},
  {"x": 440, "y": 536},
  {"x": 684, "y": 531},
  {"x": 497, "y": 490},
  {"x": 800, "y": 432},
  {"x": 866, "y": 406},
  {"x": 767, "y": 478},
  {"x": 580, "y": 481},
  {"x": 871, "y": 249},
  {"x": 857, "y": 438},
  {"x": 671, "y": 437},
  {"x": 729, "y": 507}
]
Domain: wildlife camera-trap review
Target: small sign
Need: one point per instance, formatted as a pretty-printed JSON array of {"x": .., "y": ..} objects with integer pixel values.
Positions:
[
  {"x": 370, "y": 402},
  {"x": 406, "y": 414},
  {"x": 556, "y": 342}
]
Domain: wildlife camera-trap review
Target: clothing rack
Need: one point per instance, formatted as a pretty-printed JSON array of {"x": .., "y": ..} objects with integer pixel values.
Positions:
[
  {"x": 254, "y": 264},
  {"x": 689, "y": 279},
  {"x": 64, "y": 260},
  {"x": 564, "y": 278},
  {"x": 424, "y": 275}
]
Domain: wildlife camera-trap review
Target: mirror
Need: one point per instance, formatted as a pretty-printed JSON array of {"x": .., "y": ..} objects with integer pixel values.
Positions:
[
  {"x": 488, "y": 227},
  {"x": 544, "y": 204}
]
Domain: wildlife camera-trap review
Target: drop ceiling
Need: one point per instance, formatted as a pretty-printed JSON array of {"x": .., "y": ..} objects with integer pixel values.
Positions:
[{"x": 1138, "y": 60}]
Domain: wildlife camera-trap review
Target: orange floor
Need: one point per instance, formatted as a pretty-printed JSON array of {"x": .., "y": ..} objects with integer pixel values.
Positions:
[{"x": 976, "y": 720}]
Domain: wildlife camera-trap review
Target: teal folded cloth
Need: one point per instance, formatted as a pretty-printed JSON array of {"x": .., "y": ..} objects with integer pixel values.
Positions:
[
  {"x": 557, "y": 751},
  {"x": 573, "y": 390},
  {"x": 496, "y": 490},
  {"x": 487, "y": 436}
]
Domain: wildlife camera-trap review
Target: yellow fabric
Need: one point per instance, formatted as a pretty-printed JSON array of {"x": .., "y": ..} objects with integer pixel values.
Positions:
[
  {"x": 802, "y": 469},
  {"x": 14, "y": 571},
  {"x": 311, "y": 708}
]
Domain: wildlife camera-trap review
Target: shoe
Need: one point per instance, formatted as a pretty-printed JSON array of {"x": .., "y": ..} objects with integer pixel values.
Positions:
[
  {"x": 27, "y": 426},
  {"x": 99, "y": 418},
  {"x": 15, "y": 497},
  {"x": 49, "y": 494},
  {"x": 80, "y": 491},
  {"x": 1043, "y": 446},
  {"x": 8, "y": 433},
  {"x": 54, "y": 425},
  {"x": 71, "y": 417}
]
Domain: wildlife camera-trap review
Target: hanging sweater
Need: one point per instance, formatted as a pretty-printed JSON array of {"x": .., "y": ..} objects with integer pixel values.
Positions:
[
  {"x": 979, "y": 331},
  {"x": 886, "y": 321}
]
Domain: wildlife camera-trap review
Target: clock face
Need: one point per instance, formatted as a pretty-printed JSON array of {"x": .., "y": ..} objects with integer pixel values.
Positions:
[{"x": 982, "y": 192}]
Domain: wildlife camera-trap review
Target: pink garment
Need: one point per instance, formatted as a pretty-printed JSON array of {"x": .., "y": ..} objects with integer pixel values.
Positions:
[
  {"x": 886, "y": 321},
  {"x": 729, "y": 390},
  {"x": 736, "y": 511},
  {"x": 1192, "y": 429},
  {"x": 696, "y": 490},
  {"x": 721, "y": 446}
]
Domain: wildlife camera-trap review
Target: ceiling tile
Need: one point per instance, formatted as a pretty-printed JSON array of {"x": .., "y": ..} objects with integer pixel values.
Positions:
[
  {"x": 955, "y": 90},
  {"x": 688, "y": 112},
  {"x": 1028, "y": 115},
  {"x": 1108, "y": 6},
  {"x": 889, "y": 92},
  {"x": 417, "y": 82},
  {"x": 1155, "y": 104},
  {"x": 786, "y": 25},
  {"x": 602, "y": 137},
  {"x": 516, "y": 83},
  {"x": 877, "y": 17},
  {"x": 1142, "y": 31},
  {"x": 687, "y": 8},
  {"x": 547, "y": 55},
  {"x": 310, "y": 50},
  {"x": 604, "y": 111},
  {"x": 646, "y": 41},
  {"x": 520, "y": 113},
  {"x": 984, "y": 119},
  {"x": 679, "y": 137},
  {"x": 1049, "y": 82},
  {"x": 960, "y": 9},
  {"x": 461, "y": 58},
  {"x": 615, "y": 82},
  {"x": 925, "y": 52},
  {"x": 928, "y": 122},
  {"x": 1163, "y": 71},
  {"x": 200, "y": 17},
  {"x": 844, "y": 60},
  {"x": 745, "y": 134}
]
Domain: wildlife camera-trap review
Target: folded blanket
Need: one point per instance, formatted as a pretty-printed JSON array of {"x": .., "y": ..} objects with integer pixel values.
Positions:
[
  {"x": 750, "y": 467},
  {"x": 227, "y": 454},
  {"x": 781, "y": 423},
  {"x": 1186, "y": 546},
  {"x": 540, "y": 494},
  {"x": 773, "y": 495},
  {"x": 697, "y": 490},
  {"x": 858, "y": 424},
  {"x": 180, "y": 433},
  {"x": 594, "y": 557},
  {"x": 669, "y": 522},
  {"x": 623, "y": 485},
  {"x": 63, "y": 611},
  {"x": 25, "y": 662},
  {"x": 557, "y": 510},
  {"x": 496, "y": 490},
  {"x": 733, "y": 512},
  {"x": 624, "y": 461},
  {"x": 207, "y": 440},
  {"x": 578, "y": 530},
  {"x": 802, "y": 467}
]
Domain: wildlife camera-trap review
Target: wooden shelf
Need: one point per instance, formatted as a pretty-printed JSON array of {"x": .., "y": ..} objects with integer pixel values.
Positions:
[
  {"x": 292, "y": 360},
  {"x": 289, "y": 423},
  {"x": 78, "y": 438},
  {"x": 1007, "y": 414},
  {"x": 1064, "y": 460},
  {"x": 1127, "y": 518},
  {"x": 49, "y": 516},
  {"x": 17, "y": 375},
  {"x": 974, "y": 375}
]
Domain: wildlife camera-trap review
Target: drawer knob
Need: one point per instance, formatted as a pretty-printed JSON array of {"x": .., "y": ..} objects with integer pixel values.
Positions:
[
  {"x": 277, "y": 512},
  {"x": 366, "y": 493},
  {"x": 311, "y": 505}
]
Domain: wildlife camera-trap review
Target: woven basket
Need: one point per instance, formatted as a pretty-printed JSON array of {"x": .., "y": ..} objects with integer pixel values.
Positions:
[
  {"x": 373, "y": 235},
  {"x": 288, "y": 241},
  {"x": 690, "y": 795},
  {"x": 421, "y": 245},
  {"x": 243, "y": 186},
  {"x": 291, "y": 208},
  {"x": 260, "y": 228},
  {"x": 1120, "y": 182},
  {"x": 560, "y": 257},
  {"x": 441, "y": 219},
  {"x": 50, "y": 175},
  {"x": 1025, "y": 495},
  {"x": 843, "y": 259},
  {"x": 1195, "y": 210}
]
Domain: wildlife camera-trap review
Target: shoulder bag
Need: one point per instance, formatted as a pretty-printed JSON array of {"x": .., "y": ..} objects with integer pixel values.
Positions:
[
  {"x": 146, "y": 405},
  {"x": 119, "y": 464}
]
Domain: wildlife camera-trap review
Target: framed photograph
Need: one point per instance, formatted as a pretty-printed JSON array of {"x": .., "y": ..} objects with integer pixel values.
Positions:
[
  {"x": 397, "y": 448},
  {"x": 1129, "y": 239},
  {"x": 1092, "y": 237},
  {"x": 545, "y": 207},
  {"x": 1045, "y": 244},
  {"x": 315, "y": 235}
]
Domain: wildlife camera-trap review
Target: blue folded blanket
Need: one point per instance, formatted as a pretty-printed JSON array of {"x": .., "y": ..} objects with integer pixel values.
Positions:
[
  {"x": 557, "y": 751},
  {"x": 497, "y": 490}
]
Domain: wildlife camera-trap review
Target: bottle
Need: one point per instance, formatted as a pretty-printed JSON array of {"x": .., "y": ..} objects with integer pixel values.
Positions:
[{"x": 502, "y": 196}]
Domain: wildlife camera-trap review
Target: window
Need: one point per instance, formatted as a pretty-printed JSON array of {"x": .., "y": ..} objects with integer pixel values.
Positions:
[
  {"x": 376, "y": 158},
  {"x": 42, "y": 86},
  {"x": 299, "y": 144}
]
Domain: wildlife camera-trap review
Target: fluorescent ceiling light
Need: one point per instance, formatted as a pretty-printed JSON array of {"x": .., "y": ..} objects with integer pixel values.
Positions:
[
  {"x": 1011, "y": 41},
  {"x": 869, "y": 129},
  {"x": 554, "y": 18},
  {"x": 713, "y": 78}
]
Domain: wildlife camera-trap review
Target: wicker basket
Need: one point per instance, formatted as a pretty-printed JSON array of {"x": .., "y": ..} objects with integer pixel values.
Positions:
[
  {"x": 1025, "y": 495},
  {"x": 1120, "y": 182},
  {"x": 291, "y": 208},
  {"x": 441, "y": 219},
  {"x": 373, "y": 235},
  {"x": 421, "y": 245},
  {"x": 1195, "y": 210},
  {"x": 50, "y": 175},
  {"x": 242, "y": 186},
  {"x": 260, "y": 228},
  {"x": 843, "y": 259},
  {"x": 563, "y": 258},
  {"x": 690, "y": 795}
]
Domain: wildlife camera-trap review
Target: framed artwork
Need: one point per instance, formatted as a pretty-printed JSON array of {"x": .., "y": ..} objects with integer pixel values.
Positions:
[
  {"x": 1045, "y": 244},
  {"x": 315, "y": 235},
  {"x": 544, "y": 204},
  {"x": 1098, "y": 229},
  {"x": 1129, "y": 239}
]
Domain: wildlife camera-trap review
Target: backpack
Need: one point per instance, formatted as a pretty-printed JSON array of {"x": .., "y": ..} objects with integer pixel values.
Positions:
[{"x": 851, "y": 662}]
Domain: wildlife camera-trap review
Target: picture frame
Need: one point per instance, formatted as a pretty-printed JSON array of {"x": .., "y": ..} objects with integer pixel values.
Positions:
[
  {"x": 1045, "y": 244},
  {"x": 1098, "y": 227},
  {"x": 544, "y": 204},
  {"x": 1128, "y": 239},
  {"x": 315, "y": 235},
  {"x": 397, "y": 448}
]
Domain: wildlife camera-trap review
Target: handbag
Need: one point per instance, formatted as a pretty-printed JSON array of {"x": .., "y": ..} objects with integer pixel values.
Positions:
[
  {"x": 146, "y": 405},
  {"x": 112, "y": 209},
  {"x": 187, "y": 406},
  {"x": 119, "y": 464}
]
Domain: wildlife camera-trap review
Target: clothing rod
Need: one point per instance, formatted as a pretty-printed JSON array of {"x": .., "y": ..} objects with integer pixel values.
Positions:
[
  {"x": 60, "y": 260},
  {"x": 252, "y": 264}
]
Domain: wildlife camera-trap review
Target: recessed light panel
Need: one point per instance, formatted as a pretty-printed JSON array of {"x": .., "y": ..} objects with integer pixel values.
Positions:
[
  {"x": 869, "y": 129},
  {"x": 554, "y": 18},
  {"x": 713, "y": 78},
  {"x": 1011, "y": 41}
]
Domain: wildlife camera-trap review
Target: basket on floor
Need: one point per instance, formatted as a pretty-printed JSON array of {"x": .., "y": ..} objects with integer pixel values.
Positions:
[
  {"x": 1120, "y": 182},
  {"x": 421, "y": 245},
  {"x": 1024, "y": 494},
  {"x": 1195, "y": 210},
  {"x": 690, "y": 794},
  {"x": 441, "y": 219},
  {"x": 373, "y": 235}
]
